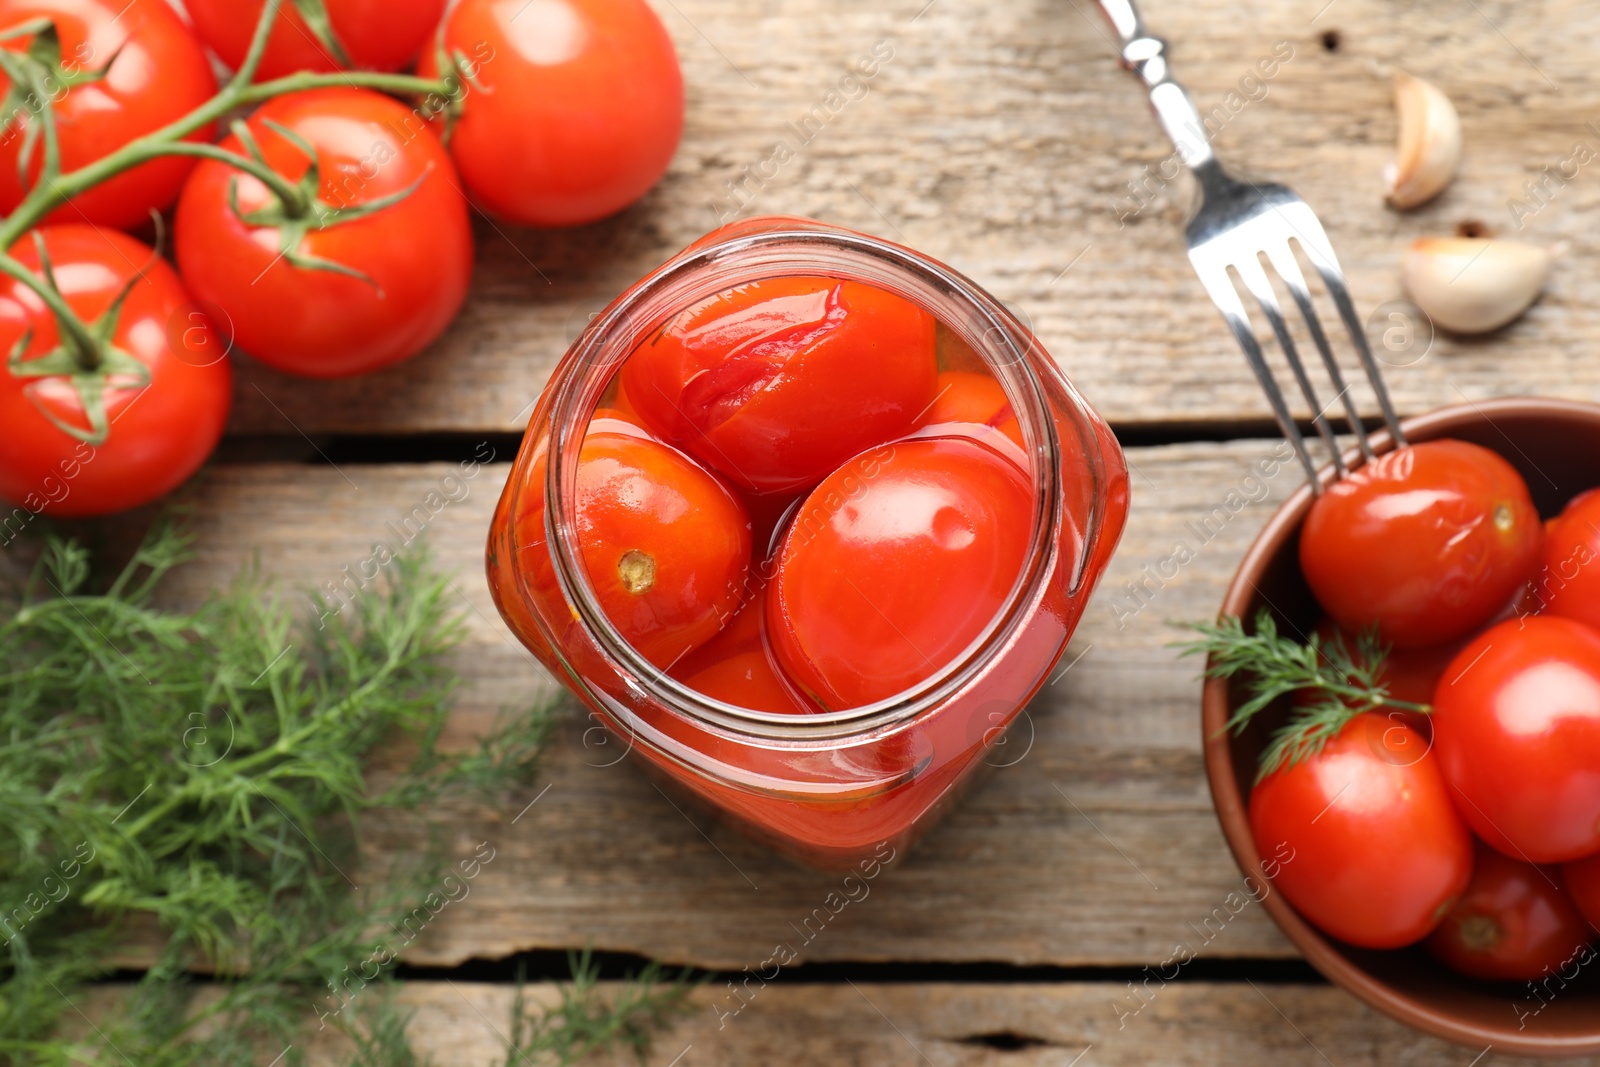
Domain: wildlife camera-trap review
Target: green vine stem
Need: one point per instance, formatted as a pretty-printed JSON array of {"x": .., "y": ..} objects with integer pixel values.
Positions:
[
  {"x": 53, "y": 188},
  {"x": 285, "y": 190},
  {"x": 74, "y": 330},
  {"x": 47, "y": 196}
]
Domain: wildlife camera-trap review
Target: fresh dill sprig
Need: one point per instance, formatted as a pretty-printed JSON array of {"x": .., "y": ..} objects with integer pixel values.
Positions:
[
  {"x": 1331, "y": 682},
  {"x": 198, "y": 780},
  {"x": 379, "y": 1033},
  {"x": 585, "y": 1021}
]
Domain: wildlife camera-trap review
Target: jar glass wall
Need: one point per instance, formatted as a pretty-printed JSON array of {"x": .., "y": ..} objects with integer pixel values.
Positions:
[{"x": 832, "y": 786}]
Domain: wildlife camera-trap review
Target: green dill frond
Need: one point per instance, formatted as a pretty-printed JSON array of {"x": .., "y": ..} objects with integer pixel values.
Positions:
[
  {"x": 586, "y": 1021},
  {"x": 1331, "y": 682},
  {"x": 379, "y": 1033},
  {"x": 199, "y": 779}
]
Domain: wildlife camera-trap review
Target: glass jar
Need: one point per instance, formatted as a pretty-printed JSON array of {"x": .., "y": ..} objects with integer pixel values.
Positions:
[{"x": 832, "y": 787}]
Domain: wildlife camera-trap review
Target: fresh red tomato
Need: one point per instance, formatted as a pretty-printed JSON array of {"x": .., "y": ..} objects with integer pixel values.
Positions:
[
  {"x": 1512, "y": 924},
  {"x": 1582, "y": 879},
  {"x": 895, "y": 564},
  {"x": 299, "y": 310},
  {"x": 155, "y": 435},
  {"x": 1516, "y": 724},
  {"x": 736, "y": 666},
  {"x": 573, "y": 109},
  {"x": 970, "y": 397},
  {"x": 1429, "y": 542},
  {"x": 1371, "y": 850},
  {"x": 126, "y": 69},
  {"x": 372, "y": 34},
  {"x": 666, "y": 545},
  {"x": 1569, "y": 584},
  {"x": 776, "y": 383}
]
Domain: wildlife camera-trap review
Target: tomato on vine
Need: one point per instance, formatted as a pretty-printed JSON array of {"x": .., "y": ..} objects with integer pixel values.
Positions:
[
  {"x": 319, "y": 35},
  {"x": 345, "y": 249},
  {"x": 573, "y": 108},
  {"x": 108, "y": 72},
  {"x": 122, "y": 413}
]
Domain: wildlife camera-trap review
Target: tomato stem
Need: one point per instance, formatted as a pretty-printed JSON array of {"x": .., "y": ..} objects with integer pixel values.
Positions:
[
  {"x": 293, "y": 199},
  {"x": 314, "y": 13},
  {"x": 75, "y": 332},
  {"x": 399, "y": 84},
  {"x": 637, "y": 571}
]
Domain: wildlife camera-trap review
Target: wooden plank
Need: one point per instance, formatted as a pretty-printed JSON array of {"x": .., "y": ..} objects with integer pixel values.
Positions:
[
  {"x": 917, "y": 1025},
  {"x": 1098, "y": 846},
  {"x": 1002, "y": 138}
]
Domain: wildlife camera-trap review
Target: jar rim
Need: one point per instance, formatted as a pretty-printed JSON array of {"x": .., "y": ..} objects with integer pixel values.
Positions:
[{"x": 798, "y": 247}]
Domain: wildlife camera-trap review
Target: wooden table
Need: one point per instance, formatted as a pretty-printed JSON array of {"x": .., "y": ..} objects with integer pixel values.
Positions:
[{"x": 1002, "y": 139}]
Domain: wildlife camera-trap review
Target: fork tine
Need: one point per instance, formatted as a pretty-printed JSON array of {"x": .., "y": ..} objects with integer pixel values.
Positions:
[
  {"x": 1255, "y": 280},
  {"x": 1347, "y": 311},
  {"x": 1231, "y": 214},
  {"x": 1284, "y": 263},
  {"x": 1314, "y": 239},
  {"x": 1214, "y": 276}
]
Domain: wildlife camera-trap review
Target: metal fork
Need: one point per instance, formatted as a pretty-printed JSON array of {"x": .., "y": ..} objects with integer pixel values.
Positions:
[{"x": 1236, "y": 224}]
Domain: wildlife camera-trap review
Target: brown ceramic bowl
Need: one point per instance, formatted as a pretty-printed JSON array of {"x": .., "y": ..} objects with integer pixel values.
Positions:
[{"x": 1556, "y": 446}]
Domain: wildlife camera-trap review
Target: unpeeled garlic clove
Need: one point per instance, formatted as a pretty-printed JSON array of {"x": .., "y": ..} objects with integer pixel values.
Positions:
[
  {"x": 1474, "y": 284},
  {"x": 1429, "y": 151}
]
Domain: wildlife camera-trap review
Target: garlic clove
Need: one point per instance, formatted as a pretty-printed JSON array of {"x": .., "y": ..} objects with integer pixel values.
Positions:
[
  {"x": 1429, "y": 151},
  {"x": 1472, "y": 284}
]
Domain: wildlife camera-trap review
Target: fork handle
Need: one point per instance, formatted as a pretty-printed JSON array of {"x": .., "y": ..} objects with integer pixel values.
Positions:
[{"x": 1146, "y": 56}]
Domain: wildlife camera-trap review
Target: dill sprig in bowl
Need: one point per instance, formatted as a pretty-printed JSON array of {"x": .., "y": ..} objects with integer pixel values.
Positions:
[{"x": 1247, "y": 713}]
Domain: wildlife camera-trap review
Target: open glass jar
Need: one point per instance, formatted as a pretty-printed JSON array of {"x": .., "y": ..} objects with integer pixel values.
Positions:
[{"x": 830, "y": 787}]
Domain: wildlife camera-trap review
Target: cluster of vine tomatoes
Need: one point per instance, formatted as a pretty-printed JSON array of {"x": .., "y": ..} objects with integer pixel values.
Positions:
[
  {"x": 348, "y": 246},
  {"x": 1463, "y": 810},
  {"x": 793, "y": 501}
]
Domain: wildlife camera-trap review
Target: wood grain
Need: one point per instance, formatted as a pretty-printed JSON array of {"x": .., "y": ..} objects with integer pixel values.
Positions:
[
  {"x": 917, "y": 1025},
  {"x": 1002, "y": 138},
  {"x": 1097, "y": 845}
]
